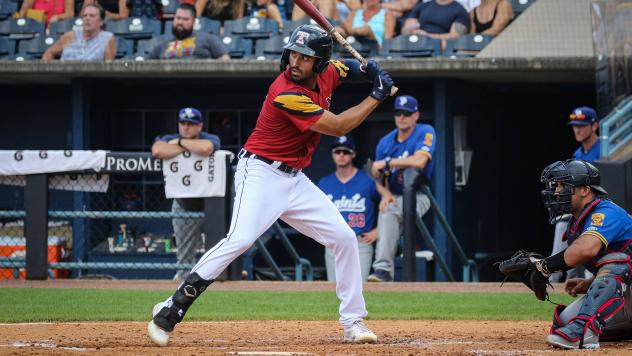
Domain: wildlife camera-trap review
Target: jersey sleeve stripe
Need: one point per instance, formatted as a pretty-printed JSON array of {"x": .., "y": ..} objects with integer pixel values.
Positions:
[
  {"x": 297, "y": 104},
  {"x": 597, "y": 235},
  {"x": 426, "y": 153}
]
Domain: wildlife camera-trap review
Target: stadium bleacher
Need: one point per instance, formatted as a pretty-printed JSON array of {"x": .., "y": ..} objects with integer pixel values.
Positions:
[
  {"x": 411, "y": 46},
  {"x": 7, "y": 9},
  {"x": 35, "y": 48},
  {"x": 467, "y": 45}
]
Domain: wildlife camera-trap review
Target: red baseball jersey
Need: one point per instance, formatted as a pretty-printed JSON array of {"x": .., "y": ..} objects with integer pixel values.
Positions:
[{"x": 282, "y": 132}]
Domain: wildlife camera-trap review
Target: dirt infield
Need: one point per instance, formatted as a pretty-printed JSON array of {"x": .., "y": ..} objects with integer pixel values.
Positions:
[{"x": 420, "y": 337}]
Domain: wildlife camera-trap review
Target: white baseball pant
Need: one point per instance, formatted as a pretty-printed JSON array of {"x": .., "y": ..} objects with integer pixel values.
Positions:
[{"x": 264, "y": 194}]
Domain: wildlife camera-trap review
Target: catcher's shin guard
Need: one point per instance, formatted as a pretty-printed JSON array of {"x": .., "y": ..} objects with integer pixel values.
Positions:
[
  {"x": 175, "y": 308},
  {"x": 603, "y": 300}
]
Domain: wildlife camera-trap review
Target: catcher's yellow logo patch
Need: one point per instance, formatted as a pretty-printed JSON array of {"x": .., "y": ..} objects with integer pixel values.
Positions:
[
  {"x": 597, "y": 219},
  {"x": 428, "y": 139}
]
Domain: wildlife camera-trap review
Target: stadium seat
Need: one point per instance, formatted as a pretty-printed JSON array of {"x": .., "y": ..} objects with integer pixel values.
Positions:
[
  {"x": 144, "y": 47},
  {"x": 405, "y": 46},
  {"x": 124, "y": 48},
  {"x": 6, "y": 48},
  {"x": 20, "y": 57},
  {"x": 271, "y": 48},
  {"x": 367, "y": 48},
  {"x": 7, "y": 9},
  {"x": 466, "y": 45},
  {"x": 21, "y": 28},
  {"x": 169, "y": 8},
  {"x": 203, "y": 24},
  {"x": 251, "y": 27},
  {"x": 36, "y": 47},
  {"x": 519, "y": 6},
  {"x": 134, "y": 27},
  {"x": 237, "y": 46},
  {"x": 60, "y": 27}
]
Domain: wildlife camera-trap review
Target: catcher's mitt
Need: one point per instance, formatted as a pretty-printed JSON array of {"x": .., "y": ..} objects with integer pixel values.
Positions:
[{"x": 522, "y": 268}]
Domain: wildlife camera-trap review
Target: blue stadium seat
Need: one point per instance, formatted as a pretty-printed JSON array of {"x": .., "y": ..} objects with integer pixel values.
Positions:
[
  {"x": 271, "y": 48},
  {"x": 407, "y": 46},
  {"x": 203, "y": 24},
  {"x": 367, "y": 48},
  {"x": 20, "y": 57},
  {"x": 21, "y": 28},
  {"x": 7, "y": 9},
  {"x": 519, "y": 6},
  {"x": 169, "y": 8},
  {"x": 134, "y": 27},
  {"x": 36, "y": 47},
  {"x": 466, "y": 45},
  {"x": 237, "y": 46},
  {"x": 124, "y": 48},
  {"x": 58, "y": 28},
  {"x": 251, "y": 27},
  {"x": 7, "y": 47},
  {"x": 144, "y": 47}
]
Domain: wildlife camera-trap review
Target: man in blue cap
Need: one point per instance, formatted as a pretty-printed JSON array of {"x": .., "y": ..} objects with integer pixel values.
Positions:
[
  {"x": 410, "y": 145},
  {"x": 355, "y": 195},
  {"x": 585, "y": 125},
  {"x": 190, "y": 137}
]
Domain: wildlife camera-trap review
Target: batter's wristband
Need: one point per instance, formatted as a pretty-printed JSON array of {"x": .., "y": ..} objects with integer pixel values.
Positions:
[
  {"x": 556, "y": 263},
  {"x": 180, "y": 142}
]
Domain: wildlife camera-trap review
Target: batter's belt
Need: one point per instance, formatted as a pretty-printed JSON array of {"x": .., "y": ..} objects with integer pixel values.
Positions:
[{"x": 283, "y": 167}]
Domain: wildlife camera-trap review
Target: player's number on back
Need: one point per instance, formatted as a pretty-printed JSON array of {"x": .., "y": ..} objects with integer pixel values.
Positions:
[{"x": 356, "y": 220}]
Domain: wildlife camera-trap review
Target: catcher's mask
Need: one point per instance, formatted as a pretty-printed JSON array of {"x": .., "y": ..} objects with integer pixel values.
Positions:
[
  {"x": 311, "y": 41},
  {"x": 567, "y": 175}
]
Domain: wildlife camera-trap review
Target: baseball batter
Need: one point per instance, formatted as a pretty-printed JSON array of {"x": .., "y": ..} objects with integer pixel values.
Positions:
[{"x": 270, "y": 185}]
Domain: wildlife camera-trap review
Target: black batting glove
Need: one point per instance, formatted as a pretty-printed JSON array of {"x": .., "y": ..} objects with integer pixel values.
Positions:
[
  {"x": 371, "y": 70},
  {"x": 382, "y": 85}
]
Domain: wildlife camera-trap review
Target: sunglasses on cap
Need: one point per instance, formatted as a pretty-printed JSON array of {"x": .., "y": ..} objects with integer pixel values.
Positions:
[
  {"x": 577, "y": 117},
  {"x": 340, "y": 151},
  {"x": 403, "y": 113}
]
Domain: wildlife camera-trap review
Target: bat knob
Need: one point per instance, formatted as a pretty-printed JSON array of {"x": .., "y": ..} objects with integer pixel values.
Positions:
[{"x": 394, "y": 90}]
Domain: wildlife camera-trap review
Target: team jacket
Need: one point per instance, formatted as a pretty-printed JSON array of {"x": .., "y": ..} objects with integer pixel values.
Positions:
[{"x": 289, "y": 110}]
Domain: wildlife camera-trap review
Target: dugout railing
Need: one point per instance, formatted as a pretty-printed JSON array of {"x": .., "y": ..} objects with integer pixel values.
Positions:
[
  {"x": 616, "y": 129},
  {"x": 114, "y": 222}
]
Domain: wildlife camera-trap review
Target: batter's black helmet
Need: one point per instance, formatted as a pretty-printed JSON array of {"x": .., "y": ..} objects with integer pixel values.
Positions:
[
  {"x": 573, "y": 173},
  {"x": 311, "y": 41}
]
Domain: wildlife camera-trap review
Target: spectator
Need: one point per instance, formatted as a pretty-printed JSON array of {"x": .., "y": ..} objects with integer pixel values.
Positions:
[
  {"x": 122, "y": 9},
  {"x": 353, "y": 192},
  {"x": 585, "y": 125},
  {"x": 221, "y": 10},
  {"x": 442, "y": 19},
  {"x": 190, "y": 137},
  {"x": 266, "y": 9},
  {"x": 371, "y": 22},
  {"x": 91, "y": 43},
  {"x": 344, "y": 7},
  {"x": 410, "y": 145},
  {"x": 491, "y": 17},
  {"x": 400, "y": 9},
  {"x": 469, "y": 5},
  {"x": 326, "y": 7},
  {"x": 183, "y": 43},
  {"x": 47, "y": 10}
]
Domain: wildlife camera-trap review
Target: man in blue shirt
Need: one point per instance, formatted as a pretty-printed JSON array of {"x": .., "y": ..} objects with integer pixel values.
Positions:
[
  {"x": 441, "y": 19},
  {"x": 585, "y": 125},
  {"x": 599, "y": 236},
  {"x": 190, "y": 137},
  {"x": 354, "y": 193},
  {"x": 410, "y": 145}
]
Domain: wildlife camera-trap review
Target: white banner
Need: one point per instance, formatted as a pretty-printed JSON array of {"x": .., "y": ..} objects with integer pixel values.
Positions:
[
  {"x": 190, "y": 175},
  {"x": 19, "y": 162}
]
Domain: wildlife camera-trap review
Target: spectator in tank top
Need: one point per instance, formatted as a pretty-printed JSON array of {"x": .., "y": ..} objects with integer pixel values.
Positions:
[
  {"x": 371, "y": 22},
  {"x": 90, "y": 43},
  {"x": 220, "y": 10},
  {"x": 491, "y": 17},
  {"x": 326, "y": 7}
]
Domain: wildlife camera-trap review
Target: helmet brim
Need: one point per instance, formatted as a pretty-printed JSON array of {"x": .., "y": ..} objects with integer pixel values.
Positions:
[
  {"x": 301, "y": 49},
  {"x": 599, "y": 189}
]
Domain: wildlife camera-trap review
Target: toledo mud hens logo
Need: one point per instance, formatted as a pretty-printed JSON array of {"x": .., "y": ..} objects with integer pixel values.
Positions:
[
  {"x": 597, "y": 219},
  {"x": 301, "y": 37}
]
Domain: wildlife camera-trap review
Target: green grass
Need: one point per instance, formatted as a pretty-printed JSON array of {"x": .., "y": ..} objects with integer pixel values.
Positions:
[{"x": 31, "y": 305}]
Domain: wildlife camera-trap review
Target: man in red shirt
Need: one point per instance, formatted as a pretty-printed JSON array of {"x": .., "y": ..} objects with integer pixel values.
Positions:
[{"x": 270, "y": 185}]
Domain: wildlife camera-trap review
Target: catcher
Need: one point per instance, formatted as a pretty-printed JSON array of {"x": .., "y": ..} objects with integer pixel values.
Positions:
[{"x": 599, "y": 236}]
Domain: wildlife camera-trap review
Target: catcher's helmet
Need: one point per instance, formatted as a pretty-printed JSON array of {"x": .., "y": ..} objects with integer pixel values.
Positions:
[
  {"x": 311, "y": 41},
  {"x": 573, "y": 173}
]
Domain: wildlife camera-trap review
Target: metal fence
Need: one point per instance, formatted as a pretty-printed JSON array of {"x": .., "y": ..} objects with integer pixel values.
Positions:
[
  {"x": 114, "y": 223},
  {"x": 616, "y": 128}
]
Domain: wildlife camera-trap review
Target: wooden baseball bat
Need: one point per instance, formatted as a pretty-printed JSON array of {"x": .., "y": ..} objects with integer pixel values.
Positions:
[{"x": 313, "y": 12}]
